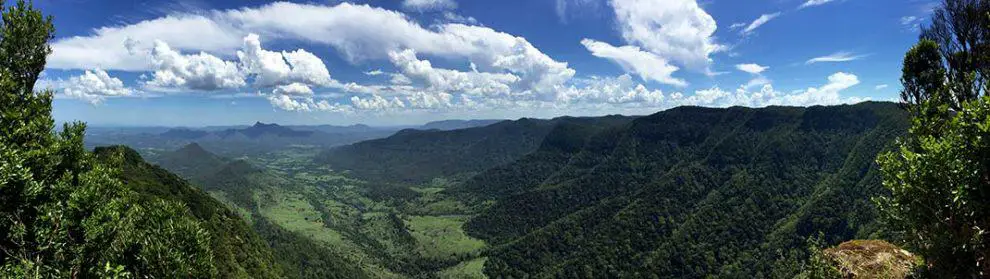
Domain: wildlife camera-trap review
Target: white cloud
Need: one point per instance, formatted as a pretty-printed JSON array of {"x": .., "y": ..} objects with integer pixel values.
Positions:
[
  {"x": 197, "y": 71},
  {"x": 763, "y": 19},
  {"x": 811, "y": 3},
  {"x": 835, "y": 57},
  {"x": 679, "y": 30},
  {"x": 305, "y": 104},
  {"x": 913, "y": 23},
  {"x": 756, "y": 81},
  {"x": 881, "y": 87},
  {"x": 293, "y": 89},
  {"x": 423, "y": 100},
  {"x": 127, "y": 47},
  {"x": 828, "y": 94},
  {"x": 752, "y": 68},
  {"x": 273, "y": 68},
  {"x": 285, "y": 102},
  {"x": 456, "y": 18},
  {"x": 647, "y": 66},
  {"x": 444, "y": 80},
  {"x": 377, "y": 102},
  {"x": 429, "y": 5},
  {"x": 91, "y": 86},
  {"x": 618, "y": 90},
  {"x": 358, "y": 32}
]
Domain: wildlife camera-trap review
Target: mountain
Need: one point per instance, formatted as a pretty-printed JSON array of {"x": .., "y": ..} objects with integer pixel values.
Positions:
[
  {"x": 254, "y": 140},
  {"x": 190, "y": 161},
  {"x": 447, "y": 125},
  {"x": 247, "y": 190},
  {"x": 238, "y": 251},
  {"x": 416, "y": 156},
  {"x": 686, "y": 193},
  {"x": 262, "y": 130}
]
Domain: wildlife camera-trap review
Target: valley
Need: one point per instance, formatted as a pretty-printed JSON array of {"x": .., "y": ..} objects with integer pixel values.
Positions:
[
  {"x": 386, "y": 234},
  {"x": 614, "y": 195}
]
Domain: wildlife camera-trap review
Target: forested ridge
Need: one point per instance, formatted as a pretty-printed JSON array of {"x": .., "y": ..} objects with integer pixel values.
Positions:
[
  {"x": 687, "y": 192},
  {"x": 732, "y": 192}
]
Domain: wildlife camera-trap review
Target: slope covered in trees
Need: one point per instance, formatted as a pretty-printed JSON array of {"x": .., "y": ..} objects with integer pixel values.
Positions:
[
  {"x": 237, "y": 250},
  {"x": 414, "y": 156},
  {"x": 687, "y": 192}
]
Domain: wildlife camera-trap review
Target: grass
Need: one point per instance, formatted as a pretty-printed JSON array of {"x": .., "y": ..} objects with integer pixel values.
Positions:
[
  {"x": 300, "y": 196},
  {"x": 472, "y": 269},
  {"x": 441, "y": 237},
  {"x": 293, "y": 213},
  {"x": 872, "y": 259}
]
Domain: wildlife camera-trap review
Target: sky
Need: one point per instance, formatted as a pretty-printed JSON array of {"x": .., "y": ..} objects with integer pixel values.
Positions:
[{"x": 404, "y": 62}]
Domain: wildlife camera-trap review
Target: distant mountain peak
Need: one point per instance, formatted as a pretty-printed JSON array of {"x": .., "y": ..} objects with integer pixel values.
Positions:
[
  {"x": 192, "y": 148},
  {"x": 259, "y": 124}
]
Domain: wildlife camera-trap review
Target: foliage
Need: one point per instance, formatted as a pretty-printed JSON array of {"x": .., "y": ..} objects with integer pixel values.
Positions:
[
  {"x": 413, "y": 156},
  {"x": 939, "y": 191},
  {"x": 939, "y": 177},
  {"x": 65, "y": 212},
  {"x": 686, "y": 193}
]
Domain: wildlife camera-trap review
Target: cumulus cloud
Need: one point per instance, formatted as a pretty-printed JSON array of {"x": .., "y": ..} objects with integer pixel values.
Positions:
[
  {"x": 305, "y": 104},
  {"x": 126, "y": 48},
  {"x": 285, "y": 102},
  {"x": 445, "y": 80},
  {"x": 358, "y": 32},
  {"x": 679, "y": 30},
  {"x": 196, "y": 71},
  {"x": 293, "y": 89},
  {"x": 835, "y": 57},
  {"x": 428, "y": 5},
  {"x": 614, "y": 90},
  {"x": 828, "y": 94},
  {"x": 92, "y": 86},
  {"x": 376, "y": 102},
  {"x": 646, "y": 65},
  {"x": 756, "y": 70},
  {"x": 423, "y": 100},
  {"x": 274, "y": 68},
  {"x": 763, "y": 19}
]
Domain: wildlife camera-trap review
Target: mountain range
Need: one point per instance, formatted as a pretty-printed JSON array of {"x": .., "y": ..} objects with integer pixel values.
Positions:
[{"x": 688, "y": 192}]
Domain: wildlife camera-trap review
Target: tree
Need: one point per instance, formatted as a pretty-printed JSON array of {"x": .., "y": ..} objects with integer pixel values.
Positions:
[
  {"x": 959, "y": 28},
  {"x": 62, "y": 213},
  {"x": 939, "y": 175}
]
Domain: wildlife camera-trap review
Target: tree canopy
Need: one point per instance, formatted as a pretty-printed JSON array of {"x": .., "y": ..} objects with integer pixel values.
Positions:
[{"x": 939, "y": 176}]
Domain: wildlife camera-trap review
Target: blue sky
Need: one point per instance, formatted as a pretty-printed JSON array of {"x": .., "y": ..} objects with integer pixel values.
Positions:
[{"x": 197, "y": 63}]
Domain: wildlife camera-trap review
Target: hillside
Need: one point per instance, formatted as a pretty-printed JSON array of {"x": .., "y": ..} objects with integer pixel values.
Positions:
[
  {"x": 253, "y": 140},
  {"x": 414, "y": 156},
  {"x": 190, "y": 161},
  {"x": 237, "y": 250},
  {"x": 689, "y": 192},
  {"x": 447, "y": 125}
]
